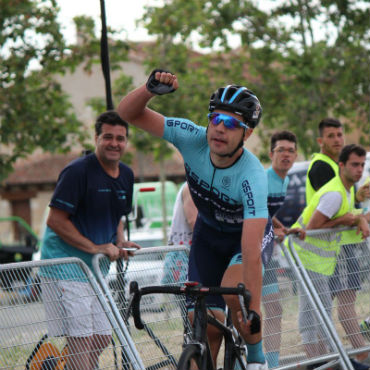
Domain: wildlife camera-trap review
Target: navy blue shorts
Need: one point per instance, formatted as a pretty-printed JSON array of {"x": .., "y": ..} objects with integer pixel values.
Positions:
[
  {"x": 347, "y": 271},
  {"x": 210, "y": 255}
]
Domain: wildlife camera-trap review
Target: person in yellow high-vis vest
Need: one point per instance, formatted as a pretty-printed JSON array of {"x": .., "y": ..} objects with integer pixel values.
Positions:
[
  {"x": 345, "y": 280},
  {"x": 324, "y": 165},
  {"x": 329, "y": 207}
]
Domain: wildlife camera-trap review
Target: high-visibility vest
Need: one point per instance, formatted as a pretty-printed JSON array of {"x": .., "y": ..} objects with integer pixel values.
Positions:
[
  {"x": 319, "y": 254},
  {"x": 310, "y": 191}
]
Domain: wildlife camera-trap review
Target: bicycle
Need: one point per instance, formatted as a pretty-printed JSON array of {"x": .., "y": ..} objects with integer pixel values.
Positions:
[{"x": 195, "y": 347}]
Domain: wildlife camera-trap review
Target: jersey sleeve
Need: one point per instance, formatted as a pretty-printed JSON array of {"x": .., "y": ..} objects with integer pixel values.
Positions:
[
  {"x": 254, "y": 194},
  {"x": 320, "y": 173},
  {"x": 180, "y": 131},
  {"x": 70, "y": 185}
]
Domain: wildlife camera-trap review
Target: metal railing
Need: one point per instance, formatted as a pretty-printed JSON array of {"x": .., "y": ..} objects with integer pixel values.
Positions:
[
  {"x": 23, "y": 321},
  {"x": 160, "y": 343}
]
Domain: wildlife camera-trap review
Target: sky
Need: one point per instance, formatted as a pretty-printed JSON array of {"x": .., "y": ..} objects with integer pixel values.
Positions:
[{"x": 120, "y": 14}]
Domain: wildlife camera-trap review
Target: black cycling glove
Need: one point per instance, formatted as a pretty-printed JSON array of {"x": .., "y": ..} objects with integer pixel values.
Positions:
[
  {"x": 156, "y": 87},
  {"x": 255, "y": 319}
]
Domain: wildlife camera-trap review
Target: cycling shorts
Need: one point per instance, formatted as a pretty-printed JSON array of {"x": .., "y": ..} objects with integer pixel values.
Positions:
[{"x": 211, "y": 253}]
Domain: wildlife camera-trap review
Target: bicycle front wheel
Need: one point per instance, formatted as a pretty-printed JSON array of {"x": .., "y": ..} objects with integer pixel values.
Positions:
[{"x": 190, "y": 354}]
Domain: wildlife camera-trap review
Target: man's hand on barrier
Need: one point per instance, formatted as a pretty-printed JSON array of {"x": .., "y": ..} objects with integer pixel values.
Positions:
[
  {"x": 280, "y": 233},
  {"x": 127, "y": 249},
  {"x": 296, "y": 230},
  {"x": 110, "y": 250},
  {"x": 363, "y": 227}
]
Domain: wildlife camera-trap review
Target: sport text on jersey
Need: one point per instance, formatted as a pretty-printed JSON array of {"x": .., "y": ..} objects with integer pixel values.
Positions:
[
  {"x": 214, "y": 203},
  {"x": 182, "y": 125},
  {"x": 250, "y": 201}
]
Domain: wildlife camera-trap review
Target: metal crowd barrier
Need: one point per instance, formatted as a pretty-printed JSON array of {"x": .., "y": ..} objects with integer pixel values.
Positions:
[
  {"x": 296, "y": 285},
  {"x": 160, "y": 343},
  {"x": 24, "y": 325},
  {"x": 23, "y": 322}
]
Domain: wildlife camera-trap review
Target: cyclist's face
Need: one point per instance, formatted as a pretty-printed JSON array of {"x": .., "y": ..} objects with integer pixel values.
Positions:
[
  {"x": 332, "y": 141},
  {"x": 111, "y": 143},
  {"x": 283, "y": 156},
  {"x": 223, "y": 140}
]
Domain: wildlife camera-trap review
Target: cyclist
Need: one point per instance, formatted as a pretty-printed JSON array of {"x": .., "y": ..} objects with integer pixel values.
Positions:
[{"x": 229, "y": 187}]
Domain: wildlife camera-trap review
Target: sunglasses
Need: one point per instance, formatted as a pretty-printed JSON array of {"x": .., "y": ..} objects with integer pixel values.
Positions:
[{"x": 229, "y": 121}]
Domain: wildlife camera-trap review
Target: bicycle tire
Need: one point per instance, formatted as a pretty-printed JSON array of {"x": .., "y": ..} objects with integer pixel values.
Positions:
[{"x": 190, "y": 352}]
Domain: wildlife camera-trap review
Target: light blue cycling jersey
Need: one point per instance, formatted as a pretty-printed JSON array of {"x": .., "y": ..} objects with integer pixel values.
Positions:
[
  {"x": 277, "y": 188},
  {"x": 224, "y": 196}
]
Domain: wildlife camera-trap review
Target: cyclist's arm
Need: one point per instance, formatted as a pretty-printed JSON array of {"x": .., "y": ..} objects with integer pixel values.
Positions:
[
  {"x": 133, "y": 107},
  {"x": 252, "y": 235}
]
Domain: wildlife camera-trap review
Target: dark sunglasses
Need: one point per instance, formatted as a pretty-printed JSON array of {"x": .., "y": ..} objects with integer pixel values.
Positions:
[{"x": 229, "y": 121}]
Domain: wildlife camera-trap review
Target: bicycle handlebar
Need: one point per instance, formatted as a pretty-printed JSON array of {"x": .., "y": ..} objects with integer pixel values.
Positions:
[{"x": 188, "y": 290}]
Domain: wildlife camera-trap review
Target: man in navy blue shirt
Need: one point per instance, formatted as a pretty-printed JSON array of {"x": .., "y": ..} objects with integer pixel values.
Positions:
[{"x": 92, "y": 195}]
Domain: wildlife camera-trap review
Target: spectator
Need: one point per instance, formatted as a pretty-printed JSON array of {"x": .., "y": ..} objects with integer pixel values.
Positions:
[
  {"x": 329, "y": 207},
  {"x": 283, "y": 152},
  {"x": 324, "y": 165},
  {"x": 91, "y": 196},
  {"x": 183, "y": 220},
  {"x": 346, "y": 279}
]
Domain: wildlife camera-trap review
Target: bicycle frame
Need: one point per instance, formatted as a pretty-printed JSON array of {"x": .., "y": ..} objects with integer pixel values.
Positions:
[
  {"x": 234, "y": 348},
  {"x": 233, "y": 343}
]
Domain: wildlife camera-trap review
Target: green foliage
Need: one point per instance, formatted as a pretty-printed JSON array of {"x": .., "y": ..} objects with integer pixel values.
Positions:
[
  {"x": 88, "y": 48},
  {"x": 34, "y": 110},
  {"x": 304, "y": 59}
]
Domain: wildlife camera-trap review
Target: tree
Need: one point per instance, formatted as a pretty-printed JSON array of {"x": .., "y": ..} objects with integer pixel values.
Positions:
[
  {"x": 34, "y": 110},
  {"x": 306, "y": 59}
]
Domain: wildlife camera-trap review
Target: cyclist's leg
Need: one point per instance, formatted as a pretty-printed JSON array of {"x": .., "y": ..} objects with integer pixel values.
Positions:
[
  {"x": 215, "y": 304},
  {"x": 232, "y": 277},
  {"x": 208, "y": 260},
  {"x": 213, "y": 334}
]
